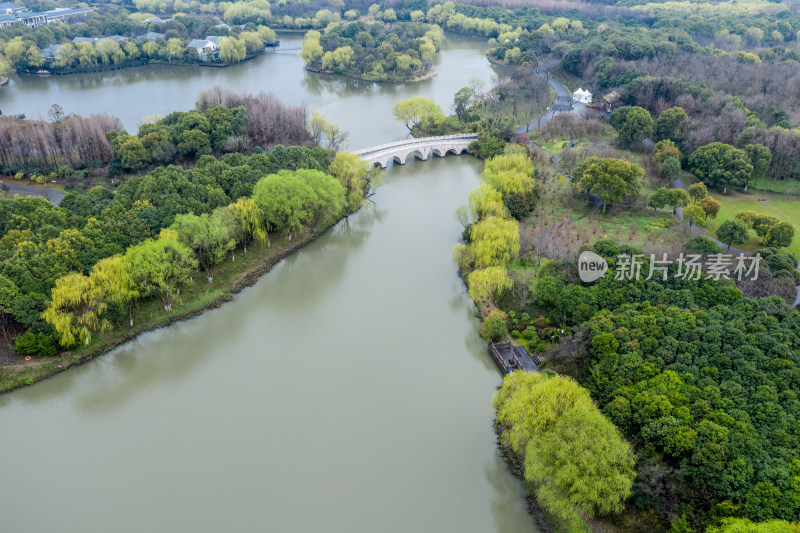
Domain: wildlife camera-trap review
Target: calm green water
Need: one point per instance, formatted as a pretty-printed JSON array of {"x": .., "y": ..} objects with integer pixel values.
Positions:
[{"x": 348, "y": 390}]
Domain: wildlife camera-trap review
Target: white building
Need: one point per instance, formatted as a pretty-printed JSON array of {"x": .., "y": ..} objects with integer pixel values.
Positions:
[
  {"x": 206, "y": 50},
  {"x": 581, "y": 96}
]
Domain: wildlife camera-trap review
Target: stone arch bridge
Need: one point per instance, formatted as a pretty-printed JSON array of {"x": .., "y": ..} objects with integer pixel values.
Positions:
[{"x": 420, "y": 148}]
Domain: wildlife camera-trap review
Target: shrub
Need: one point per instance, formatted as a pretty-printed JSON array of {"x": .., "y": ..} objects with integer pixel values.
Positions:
[
  {"x": 495, "y": 326},
  {"x": 702, "y": 245},
  {"x": 30, "y": 343}
]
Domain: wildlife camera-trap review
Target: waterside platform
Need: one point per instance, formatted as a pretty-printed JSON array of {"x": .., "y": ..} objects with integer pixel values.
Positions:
[{"x": 509, "y": 357}]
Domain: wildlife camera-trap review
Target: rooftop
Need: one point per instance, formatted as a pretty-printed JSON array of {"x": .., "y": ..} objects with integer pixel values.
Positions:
[{"x": 151, "y": 36}]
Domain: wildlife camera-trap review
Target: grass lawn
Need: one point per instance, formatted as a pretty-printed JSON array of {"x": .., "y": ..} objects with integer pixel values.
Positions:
[{"x": 775, "y": 204}]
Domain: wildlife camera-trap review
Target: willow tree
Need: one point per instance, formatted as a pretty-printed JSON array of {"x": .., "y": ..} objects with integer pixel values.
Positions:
[
  {"x": 486, "y": 201},
  {"x": 251, "y": 219},
  {"x": 488, "y": 283},
  {"x": 531, "y": 403},
  {"x": 581, "y": 467},
  {"x": 159, "y": 267},
  {"x": 232, "y": 50},
  {"x": 495, "y": 241},
  {"x": 113, "y": 276},
  {"x": 76, "y": 309},
  {"x": 418, "y": 112},
  {"x": 207, "y": 236},
  {"x": 354, "y": 174},
  {"x": 311, "y": 50}
]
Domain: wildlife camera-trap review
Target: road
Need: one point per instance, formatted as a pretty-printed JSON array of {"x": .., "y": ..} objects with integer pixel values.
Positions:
[
  {"x": 562, "y": 102},
  {"x": 29, "y": 190}
]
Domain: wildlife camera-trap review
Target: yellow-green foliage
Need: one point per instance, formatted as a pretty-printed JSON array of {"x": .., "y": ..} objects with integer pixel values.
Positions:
[
  {"x": 486, "y": 201},
  {"x": 575, "y": 458},
  {"x": 76, "y": 306},
  {"x": 530, "y": 403},
  {"x": 495, "y": 241},
  {"x": 743, "y": 525},
  {"x": 485, "y": 283},
  {"x": 510, "y": 172}
]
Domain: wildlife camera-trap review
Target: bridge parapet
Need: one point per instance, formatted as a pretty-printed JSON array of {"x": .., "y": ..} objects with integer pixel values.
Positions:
[{"x": 421, "y": 148}]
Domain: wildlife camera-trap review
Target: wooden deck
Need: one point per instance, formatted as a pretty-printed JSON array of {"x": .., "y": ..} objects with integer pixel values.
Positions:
[{"x": 509, "y": 357}]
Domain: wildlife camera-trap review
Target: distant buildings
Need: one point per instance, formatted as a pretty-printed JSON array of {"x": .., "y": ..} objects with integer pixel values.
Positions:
[
  {"x": 581, "y": 96},
  {"x": 207, "y": 49},
  {"x": 150, "y": 36},
  {"x": 155, "y": 20},
  {"x": 13, "y": 13}
]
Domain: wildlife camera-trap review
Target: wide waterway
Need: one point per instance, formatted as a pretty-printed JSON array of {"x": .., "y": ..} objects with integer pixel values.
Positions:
[{"x": 348, "y": 390}]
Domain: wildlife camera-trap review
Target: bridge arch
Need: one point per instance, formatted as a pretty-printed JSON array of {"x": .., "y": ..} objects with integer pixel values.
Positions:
[{"x": 421, "y": 148}]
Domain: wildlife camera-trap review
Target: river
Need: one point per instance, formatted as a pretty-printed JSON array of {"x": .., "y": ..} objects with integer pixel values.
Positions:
[{"x": 348, "y": 390}]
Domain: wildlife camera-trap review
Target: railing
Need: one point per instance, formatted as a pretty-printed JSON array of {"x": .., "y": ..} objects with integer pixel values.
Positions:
[{"x": 414, "y": 142}]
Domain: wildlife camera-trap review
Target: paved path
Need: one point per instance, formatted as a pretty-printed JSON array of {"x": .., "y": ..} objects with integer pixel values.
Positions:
[
  {"x": 561, "y": 104},
  {"x": 29, "y": 190}
]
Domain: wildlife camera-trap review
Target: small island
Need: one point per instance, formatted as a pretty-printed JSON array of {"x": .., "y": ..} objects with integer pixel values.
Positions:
[{"x": 374, "y": 51}]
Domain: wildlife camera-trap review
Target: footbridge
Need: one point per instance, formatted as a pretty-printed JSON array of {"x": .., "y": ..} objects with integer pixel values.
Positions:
[{"x": 420, "y": 148}]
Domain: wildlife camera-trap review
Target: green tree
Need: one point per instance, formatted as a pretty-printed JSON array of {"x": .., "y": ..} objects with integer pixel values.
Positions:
[
  {"x": 355, "y": 175},
  {"x": 251, "y": 220},
  {"x": 418, "y": 112},
  {"x": 495, "y": 241},
  {"x": 494, "y": 326},
  {"x": 311, "y": 50},
  {"x": 462, "y": 102},
  {"x": 698, "y": 191},
  {"x": 159, "y": 267},
  {"x": 694, "y": 214},
  {"x": 194, "y": 142},
  {"x": 670, "y": 169},
  {"x": 582, "y": 466},
  {"x": 780, "y": 235},
  {"x": 76, "y": 309},
  {"x": 670, "y": 124},
  {"x": 678, "y": 198},
  {"x": 632, "y": 123},
  {"x": 762, "y": 222},
  {"x": 663, "y": 150},
  {"x": 609, "y": 177},
  {"x": 658, "y": 199},
  {"x": 710, "y": 207},
  {"x": 132, "y": 153},
  {"x": 291, "y": 201},
  {"x": 488, "y": 283},
  {"x": 722, "y": 165},
  {"x": 232, "y": 50},
  {"x": 208, "y": 238},
  {"x": 732, "y": 232},
  {"x": 531, "y": 403},
  {"x": 112, "y": 276},
  {"x": 746, "y": 217},
  {"x": 760, "y": 158},
  {"x": 9, "y": 294}
]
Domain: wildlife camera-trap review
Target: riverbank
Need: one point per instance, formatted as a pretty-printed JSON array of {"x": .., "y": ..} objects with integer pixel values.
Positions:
[{"x": 230, "y": 278}]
